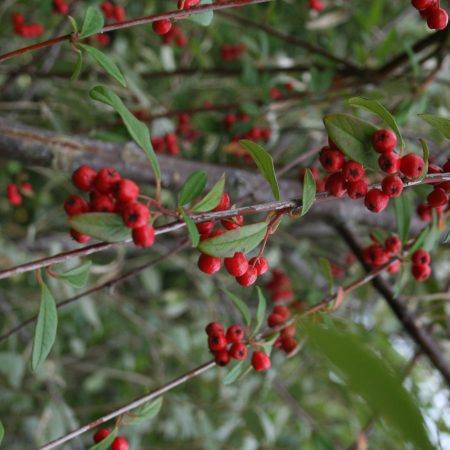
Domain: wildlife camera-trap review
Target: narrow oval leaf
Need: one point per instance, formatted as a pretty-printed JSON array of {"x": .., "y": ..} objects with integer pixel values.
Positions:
[
  {"x": 265, "y": 165},
  {"x": 78, "y": 276},
  {"x": 106, "y": 443},
  {"x": 243, "y": 239},
  {"x": 193, "y": 187},
  {"x": 442, "y": 124},
  {"x": 212, "y": 198},
  {"x": 145, "y": 412},
  {"x": 241, "y": 307},
  {"x": 192, "y": 229},
  {"x": 2, "y": 432},
  {"x": 380, "y": 111},
  {"x": 354, "y": 138},
  {"x": 203, "y": 19},
  {"x": 138, "y": 131},
  {"x": 78, "y": 66},
  {"x": 106, "y": 63},
  {"x": 46, "y": 326},
  {"x": 402, "y": 206},
  {"x": 327, "y": 272},
  {"x": 309, "y": 192},
  {"x": 93, "y": 22},
  {"x": 426, "y": 154},
  {"x": 261, "y": 311},
  {"x": 106, "y": 227},
  {"x": 234, "y": 373}
]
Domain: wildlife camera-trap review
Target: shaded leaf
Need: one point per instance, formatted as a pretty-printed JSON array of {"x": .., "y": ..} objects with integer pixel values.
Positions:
[
  {"x": 442, "y": 124},
  {"x": 309, "y": 192},
  {"x": 106, "y": 227},
  {"x": 327, "y": 271},
  {"x": 193, "y": 187},
  {"x": 78, "y": 276},
  {"x": 261, "y": 311},
  {"x": 106, "y": 443},
  {"x": 234, "y": 373},
  {"x": 402, "y": 205},
  {"x": 241, "y": 306},
  {"x": 2, "y": 432},
  {"x": 78, "y": 66},
  {"x": 212, "y": 198},
  {"x": 145, "y": 412},
  {"x": 192, "y": 228},
  {"x": 93, "y": 22}
]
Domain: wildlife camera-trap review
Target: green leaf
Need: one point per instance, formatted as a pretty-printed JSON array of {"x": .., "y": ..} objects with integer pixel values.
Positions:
[
  {"x": 268, "y": 344},
  {"x": 243, "y": 239},
  {"x": 203, "y": 19},
  {"x": 78, "y": 66},
  {"x": 265, "y": 165},
  {"x": 106, "y": 443},
  {"x": 46, "y": 326},
  {"x": 73, "y": 24},
  {"x": 367, "y": 375},
  {"x": 78, "y": 276},
  {"x": 93, "y": 22},
  {"x": 2, "y": 432},
  {"x": 145, "y": 412},
  {"x": 426, "y": 154},
  {"x": 377, "y": 108},
  {"x": 106, "y": 227},
  {"x": 354, "y": 138},
  {"x": 192, "y": 228},
  {"x": 402, "y": 205},
  {"x": 309, "y": 192},
  {"x": 193, "y": 187},
  {"x": 234, "y": 373},
  {"x": 241, "y": 307},
  {"x": 442, "y": 124},
  {"x": 106, "y": 63},
  {"x": 261, "y": 311},
  {"x": 420, "y": 240},
  {"x": 138, "y": 131},
  {"x": 212, "y": 198},
  {"x": 327, "y": 272}
]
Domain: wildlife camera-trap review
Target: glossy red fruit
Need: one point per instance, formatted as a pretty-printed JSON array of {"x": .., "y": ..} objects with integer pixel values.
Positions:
[
  {"x": 225, "y": 202},
  {"x": 288, "y": 344},
  {"x": 144, "y": 236},
  {"x": 214, "y": 328},
  {"x": 336, "y": 184},
  {"x": 437, "y": 19},
  {"x": 260, "y": 264},
  {"x": 135, "y": 215},
  {"x": 392, "y": 185},
  {"x": 282, "y": 310},
  {"x": 393, "y": 244},
  {"x": 13, "y": 194},
  {"x": 209, "y": 264},
  {"x": 389, "y": 162},
  {"x": 384, "y": 141},
  {"x": 101, "y": 434},
  {"x": 273, "y": 320},
  {"x": 357, "y": 189},
  {"x": 236, "y": 265},
  {"x": 420, "y": 257},
  {"x": 106, "y": 179},
  {"x": 412, "y": 166},
  {"x": 375, "y": 255},
  {"x": 126, "y": 191},
  {"x": 248, "y": 278},
  {"x": 75, "y": 205},
  {"x": 260, "y": 361},
  {"x": 162, "y": 26},
  {"x": 83, "y": 178},
  {"x": 331, "y": 160},
  {"x": 217, "y": 342},
  {"x": 376, "y": 200},
  {"x": 437, "y": 197},
  {"x": 353, "y": 171},
  {"x": 79, "y": 237},
  {"x": 421, "y": 272},
  {"x": 233, "y": 223},
  {"x": 205, "y": 227},
  {"x": 119, "y": 13},
  {"x": 102, "y": 203},
  {"x": 222, "y": 358},
  {"x": 120, "y": 443},
  {"x": 238, "y": 351},
  {"x": 235, "y": 333}
]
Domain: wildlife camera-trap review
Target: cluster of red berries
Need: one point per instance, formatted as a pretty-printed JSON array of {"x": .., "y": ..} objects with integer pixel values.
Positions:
[
  {"x": 184, "y": 128},
  {"x": 430, "y": 10},
  {"x": 15, "y": 192},
  {"x": 280, "y": 287},
  {"x": 175, "y": 35},
  {"x": 286, "y": 340},
  {"x": 420, "y": 268},
  {"x": 110, "y": 193},
  {"x": 61, "y": 7},
  {"x": 375, "y": 255},
  {"x": 316, "y": 5},
  {"x": 24, "y": 30},
  {"x": 230, "y": 344},
  {"x": 119, "y": 443},
  {"x": 168, "y": 143},
  {"x": 276, "y": 93},
  {"x": 113, "y": 12},
  {"x": 230, "y": 52}
]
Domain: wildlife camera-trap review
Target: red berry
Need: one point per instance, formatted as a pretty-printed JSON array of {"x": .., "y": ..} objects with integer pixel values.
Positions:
[
  {"x": 437, "y": 18},
  {"x": 331, "y": 160},
  {"x": 13, "y": 194},
  {"x": 384, "y": 141},
  {"x": 237, "y": 265},
  {"x": 238, "y": 351},
  {"x": 235, "y": 333},
  {"x": 217, "y": 342},
  {"x": 336, "y": 184},
  {"x": 205, "y": 227},
  {"x": 75, "y": 205},
  {"x": 260, "y": 264},
  {"x": 119, "y": 13},
  {"x": 420, "y": 257},
  {"x": 214, "y": 328},
  {"x": 77, "y": 236},
  {"x": 225, "y": 202},
  {"x": 260, "y": 361},
  {"x": 392, "y": 185},
  {"x": 389, "y": 162},
  {"x": 375, "y": 255},
  {"x": 394, "y": 267},
  {"x": 102, "y": 203},
  {"x": 108, "y": 9},
  {"x": 144, "y": 236},
  {"x": 357, "y": 189},
  {"x": 119, "y": 443},
  {"x": 412, "y": 166},
  {"x": 83, "y": 178},
  {"x": 353, "y": 171},
  {"x": 273, "y": 320},
  {"x": 422, "y": 4},
  {"x": 248, "y": 278},
  {"x": 421, "y": 272},
  {"x": 162, "y": 26},
  {"x": 106, "y": 179},
  {"x": 424, "y": 212},
  {"x": 233, "y": 223},
  {"x": 437, "y": 197},
  {"x": 393, "y": 244},
  {"x": 209, "y": 264},
  {"x": 135, "y": 215},
  {"x": 446, "y": 166},
  {"x": 283, "y": 311},
  {"x": 101, "y": 434},
  {"x": 288, "y": 344},
  {"x": 222, "y": 358},
  {"x": 376, "y": 200},
  {"x": 229, "y": 120},
  {"x": 126, "y": 191}
]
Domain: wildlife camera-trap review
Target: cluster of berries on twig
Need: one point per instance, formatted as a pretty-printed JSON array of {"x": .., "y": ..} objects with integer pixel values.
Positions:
[
  {"x": 26, "y": 30},
  {"x": 432, "y": 12},
  {"x": 119, "y": 443},
  {"x": 15, "y": 192}
]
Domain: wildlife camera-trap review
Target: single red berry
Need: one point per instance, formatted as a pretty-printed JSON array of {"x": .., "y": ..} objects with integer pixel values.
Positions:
[
  {"x": 353, "y": 171},
  {"x": 83, "y": 178},
  {"x": 238, "y": 351},
  {"x": 101, "y": 434},
  {"x": 389, "y": 162},
  {"x": 237, "y": 265},
  {"x": 214, "y": 328},
  {"x": 437, "y": 19},
  {"x": 126, "y": 191},
  {"x": 79, "y": 237},
  {"x": 205, "y": 227},
  {"x": 260, "y": 361},
  {"x": 229, "y": 120},
  {"x": 424, "y": 211},
  {"x": 421, "y": 272},
  {"x": 273, "y": 320},
  {"x": 233, "y": 223},
  {"x": 119, "y": 13},
  {"x": 260, "y": 264},
  {"x": 222, "y": 357},
  {"x": 331, "y": 160},
  {"x": 393, "y": 244},
  {"x": 437, "y": 197},
  {"x": 120, "y": 443},
  {"x": 384, "y": 140},
  {"x": 102, "y": 203},
  {"x": 106, "y": 179},
  {"x": 13, "y": 194},
  {"x": 420, "y": 257},
  {"x": 135, "y": 215},
  {"x": 392, "y": 185},
  {"x": 357, "y": 189},
  {"x": 376, "y": 200},
  {"x": 289, "y": 331},
  {"x": 288, "y": 344},
  {"x": 422, "y": 4},
  {"x": 217, "y": 342},
  {"x": 336, "y": 184},
  {"x": 394, "y": 267},
  {"x": 162, "y": 26},
  {"x": 144, "y": 236},
  {"x": 225, "y": 202},
  {"x": 108, "y": 9},
  {"x": 209, "y": 264},
  {"x": 316, "y": 5},
  {"x": 248, "y": 278},
  {"x": 412, "y": 166},
  {"x": 235, "y": 333},
  {"x": 75, "y": 205},
  {"x": 375, "y": 255},
  {"x": 282, "y": 310}
]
